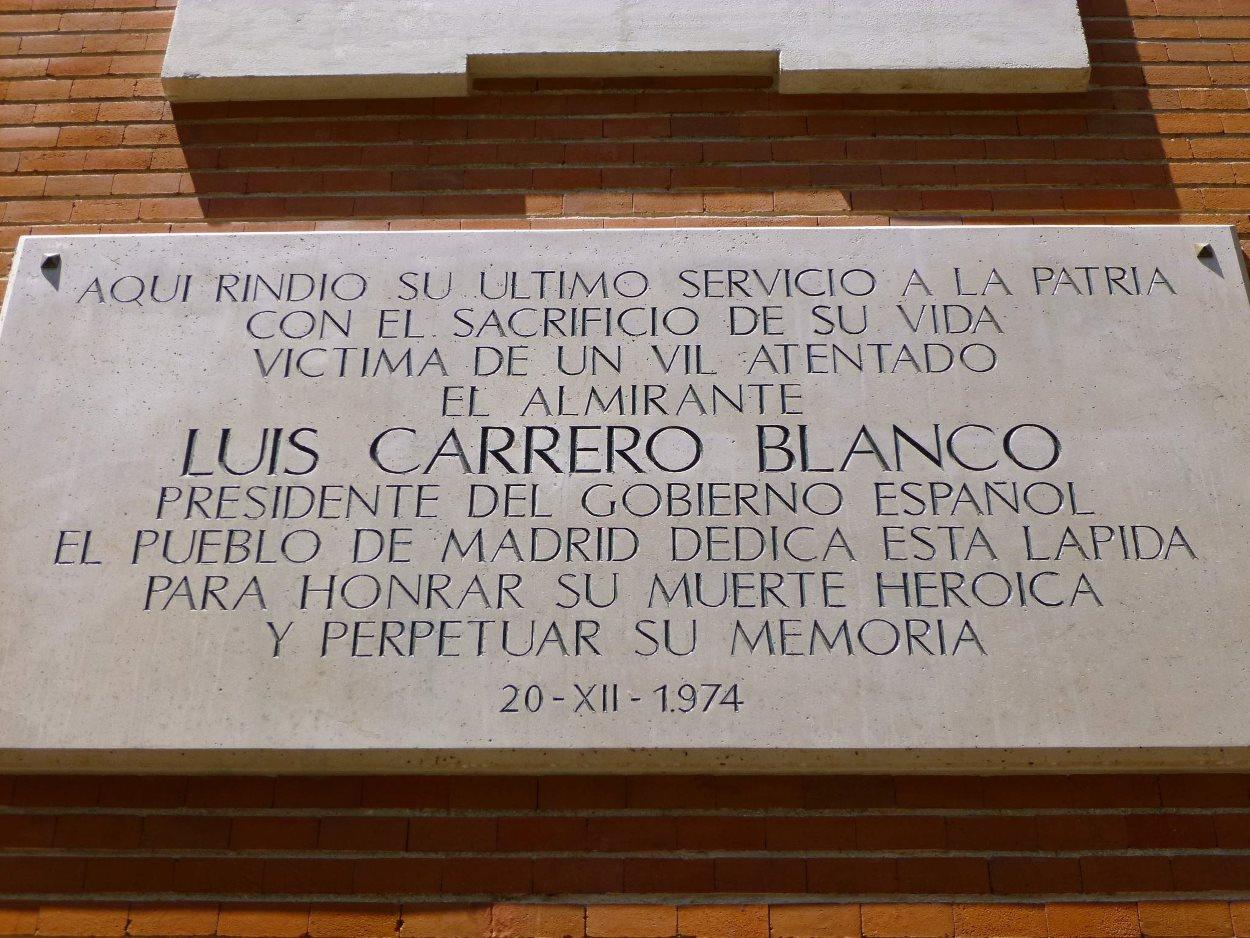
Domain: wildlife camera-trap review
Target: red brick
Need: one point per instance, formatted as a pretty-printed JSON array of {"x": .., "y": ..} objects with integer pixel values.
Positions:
[
  {"x": 19, "y": 212},
  {"x": 1081, "y": 831},
  {"x": 65, "y": 160},
  {"x": 1126, "y": 874},
  {"x": 431, "y": 834},
  {"x": 631, "y": 833},
  {"x": 631, "y": 921},
  {"x": 24, "y": 137},
  {"x": 941, "y": 792},
  {"x": 853, "y": 875},
  {"x": 274, "y": 833},
  {"x": 146, "y": 183},
  {"x": 598, "y": 203},
  {"x": 538, "y": 921},
  {"x": 754, "y": 876},
  {"x": 18, "y": 919},
  {"x": 721, "y": 833},
  {"x": 723, "y": 921},
  {"x": 688, "y": 791},
  {"x": 94, "y": 920},
  {"x": 810, "y": 833},
  {"x": 168, "y": 831},
  {"x": 32, "y": 23},
  {"x": 907, "y": 920},
  {"x": 669, "y": 877},
  {"x": 328, "y": 792},
  {"x": 1093, "y": 920},
  {"x": 546, "y": 833},
  {"x": 814, "y": 921},
  {"x": 911, "y": 833},
  {"x": 115, "y": 160},
  {"x": 1176, "y": 919},
  {"x": 299, "y": 877},
  {"x": 667, "y": 203},
  {"x": 994, "y": 920},
  {"x": 1203, "y": 791},
  {"x": 363, "y": 833},
  {"x": 17, "y": 830},
  {"x": 220, "y": 874},
  {"x": 577, "y": 876},
  {"x": 353, "y": 921},
  {"x": 1240, "y": 913},
  {"x": 173, "y": 919},
  {"x": 446, "y": 921},
  {"x": 487, "y": 875},
  {"x": 105, "y": 210},
  {"x": 635, "y": 177},
  {"x": 258, "y": 921},
  {"x": 43, "y": 874},
  {"x": 387, "y": 877},
  {"x": 155, "y": 791},
  {"x": 1170, "y": 830},
  {"x": 405, "y": 792},
  {"x": 806, "y": 202},
  {"x": 991, "y": 833},
  {"x": 849, "y": 792},
  {"x": 1035, "y": 875},
  {"x": 115, "y": 831},
  {"x": 126, "y": 874},
  {"x": 230, "y": 792}
]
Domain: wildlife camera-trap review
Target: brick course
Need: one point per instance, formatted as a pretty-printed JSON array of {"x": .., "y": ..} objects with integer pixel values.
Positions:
[
  {"x": 907, "y": 843},
  {"x": 551, "y": 920}
]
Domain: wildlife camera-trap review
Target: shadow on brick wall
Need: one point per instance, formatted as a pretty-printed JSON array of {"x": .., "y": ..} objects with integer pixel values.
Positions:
[{"x": 729, "y": 148}]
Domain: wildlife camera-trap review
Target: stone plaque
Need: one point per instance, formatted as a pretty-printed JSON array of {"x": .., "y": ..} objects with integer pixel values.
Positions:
[
  {"x": 226, "y": 49},
  {"x": 748, "y": 499}
]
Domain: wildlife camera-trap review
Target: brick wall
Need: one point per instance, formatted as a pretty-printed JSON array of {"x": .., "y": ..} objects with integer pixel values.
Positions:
[
  {"x": 1064, "y": 856},
  {"x": 87, "y": 144},
  {"x": 90, "y": 145}
]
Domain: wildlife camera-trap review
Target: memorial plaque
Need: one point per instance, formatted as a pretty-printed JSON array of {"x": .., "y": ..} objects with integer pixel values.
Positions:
[{"x": 781, "y": 499}]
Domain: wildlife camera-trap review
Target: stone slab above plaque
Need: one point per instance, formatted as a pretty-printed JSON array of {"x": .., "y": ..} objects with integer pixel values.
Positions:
[
  {"x": 781, "y": 499},
  {"x": 250, "y": 50}
]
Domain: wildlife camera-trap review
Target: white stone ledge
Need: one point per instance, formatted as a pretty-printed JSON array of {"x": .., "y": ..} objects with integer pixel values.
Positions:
[
  {"x": 936, "y": 761},
  {"x": 280, "y": 49}
]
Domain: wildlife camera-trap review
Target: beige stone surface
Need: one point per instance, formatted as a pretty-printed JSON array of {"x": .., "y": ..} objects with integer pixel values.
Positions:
[
  {"x": 243, "y": 49},
  {"x": 1015, "y": 456}
]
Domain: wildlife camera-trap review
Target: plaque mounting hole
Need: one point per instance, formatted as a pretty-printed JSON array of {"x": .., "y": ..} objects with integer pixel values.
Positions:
[{"x": 51, "y": 268}]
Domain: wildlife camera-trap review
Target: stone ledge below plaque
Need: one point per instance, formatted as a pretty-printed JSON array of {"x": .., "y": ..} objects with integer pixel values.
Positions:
[{"x": 624, "y": 761}]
